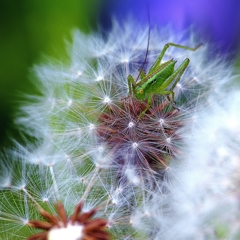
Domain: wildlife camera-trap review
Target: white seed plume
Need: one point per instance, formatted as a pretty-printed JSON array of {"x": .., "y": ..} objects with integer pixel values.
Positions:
[{"x": 69, "y": 161}]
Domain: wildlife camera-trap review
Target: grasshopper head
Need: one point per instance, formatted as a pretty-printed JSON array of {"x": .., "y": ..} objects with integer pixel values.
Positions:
[{"x": 139, "y": 93}]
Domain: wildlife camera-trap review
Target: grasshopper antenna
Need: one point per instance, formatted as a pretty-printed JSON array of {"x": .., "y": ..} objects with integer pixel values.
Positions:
[{"x": 148, "y": 42}]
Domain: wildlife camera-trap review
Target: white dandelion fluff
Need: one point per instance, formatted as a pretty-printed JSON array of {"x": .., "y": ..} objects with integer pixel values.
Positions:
[
  {"x": 93, "y": 153},
  {"x": 205, "y": 193}
]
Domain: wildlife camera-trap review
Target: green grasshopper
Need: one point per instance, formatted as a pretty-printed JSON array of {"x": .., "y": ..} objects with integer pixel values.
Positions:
[{"x": 158, "y": 78}]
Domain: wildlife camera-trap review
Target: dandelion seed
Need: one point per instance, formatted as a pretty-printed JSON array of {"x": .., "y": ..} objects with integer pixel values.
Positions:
[
  {"x": 69, "y": 102},
  {"x": 132, "y": 176},
  {"x": 115, "y": 201},
  {"x": 79, "y": 73},
  {"x": 107, "y": 100},
  {"x": 68, "y": 158},
  {"x": 168, "y": 140},
  {"x": 100, "y": 78},
  {"x": 100, "y": 149},
  {"x": 131, "y": 124},
  {"x": 196, "y": 79},
  {"x": 91, "y": 126},
  {"x": 125, "y": 60},
  {"x": 135, "y": 145}
]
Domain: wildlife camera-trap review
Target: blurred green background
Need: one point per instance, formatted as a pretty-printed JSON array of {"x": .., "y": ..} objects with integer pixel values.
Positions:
[{"x": 29, "y": 30}]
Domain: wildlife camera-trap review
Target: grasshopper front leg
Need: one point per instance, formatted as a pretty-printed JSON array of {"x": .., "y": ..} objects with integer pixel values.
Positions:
[
  {"x": 149, "y": 104},
  {"x": 131, "y": 84}
]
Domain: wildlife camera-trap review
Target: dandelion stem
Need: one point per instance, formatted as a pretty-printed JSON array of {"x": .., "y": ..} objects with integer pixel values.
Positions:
[
  {"x": 92, "y": 181},
  {"x": 31, "y": 197},
  {"x": 54, "y": 183}
]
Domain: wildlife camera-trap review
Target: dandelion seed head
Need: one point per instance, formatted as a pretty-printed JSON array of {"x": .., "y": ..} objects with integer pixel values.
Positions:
[
  {"x": 101, "y": 96},
  {"x": 161, "y": 121},
  {"x": 77, "y": 226},
  {"x": 97, "y": 143},
  {"x": 135, "y": 143},
  {"x": 206, "y": 177},
  {"x": 179, "y": 85}
]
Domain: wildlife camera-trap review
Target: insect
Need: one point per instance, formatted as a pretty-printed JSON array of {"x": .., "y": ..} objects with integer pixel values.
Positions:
[{"x": 159, "y": 77}]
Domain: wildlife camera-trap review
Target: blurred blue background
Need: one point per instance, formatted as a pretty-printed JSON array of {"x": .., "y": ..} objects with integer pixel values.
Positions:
[
  {"x": 217, "y": 20},
  {"x": 30, "y": 30}
]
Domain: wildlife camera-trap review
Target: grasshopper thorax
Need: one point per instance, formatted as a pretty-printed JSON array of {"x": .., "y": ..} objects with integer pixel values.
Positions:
[{"x": 139, "y": 93}]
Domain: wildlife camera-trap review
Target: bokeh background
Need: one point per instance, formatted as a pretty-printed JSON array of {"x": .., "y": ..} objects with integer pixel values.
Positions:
[
  {"x": 32, "y": 30},
  {"x": 217, "y": 20}
]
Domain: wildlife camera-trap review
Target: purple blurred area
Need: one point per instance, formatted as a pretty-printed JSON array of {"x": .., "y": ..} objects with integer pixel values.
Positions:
[{"x": 217, "y": 20}]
